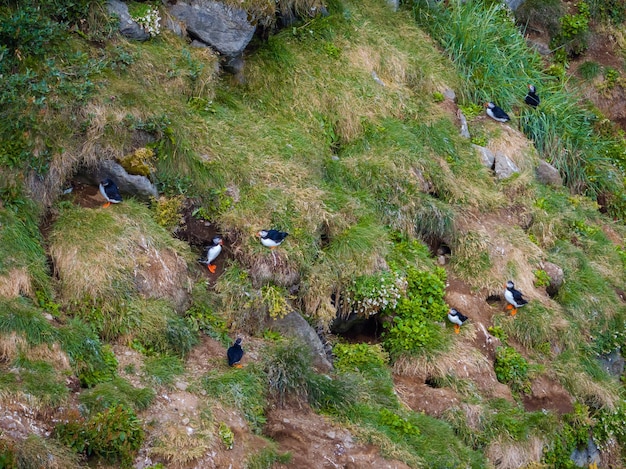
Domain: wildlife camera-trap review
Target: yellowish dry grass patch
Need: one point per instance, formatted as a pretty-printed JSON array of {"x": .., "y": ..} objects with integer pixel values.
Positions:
[
  {"x": 16, "y": 283},
  {"x": 10, "y": 346},
  {"x": 505, "y": 454},
  {"x": 180, "y": 448}
]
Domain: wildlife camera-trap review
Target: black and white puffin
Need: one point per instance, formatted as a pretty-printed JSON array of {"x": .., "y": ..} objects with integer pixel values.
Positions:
[
  {"x": 110, "y": 192},
  {"x": 457, "y": 319},
  {"x": 272, "y": 238},
  {"x": 496, "y": 113},
  {"x": 513, "y": 297},
  {"x": 235, "y": 354},
  {"x": 211, "y": 253},
  {"x": 531, "y": 97}
]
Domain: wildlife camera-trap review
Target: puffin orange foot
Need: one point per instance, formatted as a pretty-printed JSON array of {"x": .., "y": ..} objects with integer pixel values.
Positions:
[
  {"x": 508, "y": 306},
  {"x": 211, "y": 268},
  {"x": 238, "y": 365},
  {"x": 457, "y": 328},
  {"x": 106, "y": 205},
  {"x": 513, "y": 311}
]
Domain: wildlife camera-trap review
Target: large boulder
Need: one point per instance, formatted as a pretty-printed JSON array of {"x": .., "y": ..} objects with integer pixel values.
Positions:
[
  {"x": 128, "y": 27},
  {"x": 129, "y": 184},
  {"x": 225, "y": 29},
  {"x": 295, "y": 326},
  {"x": 556, "y": 275},
  {"x": 548, "y": 174},
  {"x": 504, "y": 166},
  {"x": 487, "y": 158}
]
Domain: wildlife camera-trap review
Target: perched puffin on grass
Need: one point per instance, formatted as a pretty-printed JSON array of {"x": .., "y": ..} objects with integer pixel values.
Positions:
[
  {"x": 235, "y": 354},
  {"x": 496, "y": 113},
  {"x": 513, "y": 297},
  {"x": 211, "y": 254},
  {"x": 272, "y": 238},
  {"x": 110, "y": 192},
  {"x": 457, "y": 319},
  {"x": 531, "y": 97}
]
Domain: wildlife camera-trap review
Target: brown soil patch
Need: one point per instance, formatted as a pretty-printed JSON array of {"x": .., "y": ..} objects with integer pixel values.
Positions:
[
  {"x": 316, "y": 443},
  {"x": 420, "y": 397},
  {"x": 547, "y": 394}
]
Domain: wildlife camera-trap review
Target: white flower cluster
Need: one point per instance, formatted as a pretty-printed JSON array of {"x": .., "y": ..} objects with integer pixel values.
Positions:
[
  {"x": 150, "y": 21},
  {"x": 383, "y": 296}
]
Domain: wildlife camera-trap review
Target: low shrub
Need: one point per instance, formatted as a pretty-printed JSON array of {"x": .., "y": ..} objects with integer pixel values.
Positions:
[
  {"x": 512, "y": 369},
  {"x": 413, "y": 327},
  {"x": 114, "y": 435}
]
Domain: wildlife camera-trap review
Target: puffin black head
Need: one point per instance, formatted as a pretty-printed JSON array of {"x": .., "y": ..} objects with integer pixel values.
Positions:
[
  {"x": 238, "y": 341},
  {"x": 510, "y": 284},
  {"x": 217, "y": 240},
  {"x": 106, "y": 182}
]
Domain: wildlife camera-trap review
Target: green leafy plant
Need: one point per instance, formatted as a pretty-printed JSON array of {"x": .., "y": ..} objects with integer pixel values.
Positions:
[
  {"x": 413, "y": 329},
  {"x": 512, "y": 369},
  {"x": 361, "y": 357},
  {"x": 397, "y": 423},
  {"x": 275, "y": 299},
  {"x": 542, "y": 279},
  {"x": 227, "y": 436},
  {"x": 589, "y": 70},
  {"x": 147, "y": 16},
  {"x": 114, "y": 435}
]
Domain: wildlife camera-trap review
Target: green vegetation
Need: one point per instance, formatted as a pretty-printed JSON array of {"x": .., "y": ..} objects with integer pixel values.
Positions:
[{"x": 357, "y": 154}]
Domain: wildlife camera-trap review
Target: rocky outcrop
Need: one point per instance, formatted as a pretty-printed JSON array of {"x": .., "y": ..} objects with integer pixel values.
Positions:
[
  {"x": 130, "y": 184},
  {"x": 225, "y": 29},
  {"x": 295, "y": 326},
  {"x": 556, "y": 275},
  {"x": 128, "y": 28},
  {"x": 487, "y": 158},
  {"x": 504, "y": 166},
  {"x": 548, "y": 174}
]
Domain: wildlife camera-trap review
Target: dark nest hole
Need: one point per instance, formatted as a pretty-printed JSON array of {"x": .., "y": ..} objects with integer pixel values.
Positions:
[
  {"x": 493, "y": 299},
  {"x": 433, "y": 382},
  {"x": 357, "y": 329}
]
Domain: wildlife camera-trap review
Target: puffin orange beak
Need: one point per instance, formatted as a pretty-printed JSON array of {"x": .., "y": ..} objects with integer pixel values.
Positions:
[{"x": 221, "y": 243}]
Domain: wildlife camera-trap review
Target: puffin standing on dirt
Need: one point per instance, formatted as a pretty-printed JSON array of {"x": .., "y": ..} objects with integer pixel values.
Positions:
[
  {"x": 496, "y": 113},
  {"x": 513, "y": 297},
  {"x": 235, "y": 354},
  {"x": 457, "y": 319},
  {"x": 110, "y": 192},
  {"x": 272, "y": 238},
  {"x": 211, "y": 253},
  {"x": 531, "y": 97}
]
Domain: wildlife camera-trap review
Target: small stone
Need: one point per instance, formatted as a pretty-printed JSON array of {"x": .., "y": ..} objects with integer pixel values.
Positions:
[{"x": 185, "y": 421}]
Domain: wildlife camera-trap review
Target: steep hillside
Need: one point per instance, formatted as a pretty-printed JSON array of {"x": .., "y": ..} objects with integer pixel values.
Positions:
[{"x": 361, "y": 133}]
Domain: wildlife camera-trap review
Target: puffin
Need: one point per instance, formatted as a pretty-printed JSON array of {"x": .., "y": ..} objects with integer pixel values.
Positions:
[
  {"x": 457, "y": 319},
  {"x": 235, "y": 354},
  {"x": 272, "y": 238},
  {"x": 531, "y": 97},
  {"x": 211, "y": 253},
  {"x": 496, "y": 113},
  {"x": 513, "y": 297},
  {"x": 110, "y": 192}
]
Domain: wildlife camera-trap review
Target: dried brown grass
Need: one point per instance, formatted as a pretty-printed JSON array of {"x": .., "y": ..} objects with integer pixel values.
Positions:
[
  {"x": 459, "y": 361},
  {"x": 10, "y": 346},
  {"x": 52, "y": 354},
  {"x": 175, "y": 445},
  {"x": 505, "y": 454},
  {"x": 16, "y": 283}
]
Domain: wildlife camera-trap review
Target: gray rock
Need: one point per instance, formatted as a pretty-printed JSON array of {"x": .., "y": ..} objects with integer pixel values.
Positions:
[
  {"x": 394, "y": 4},
  {"x": 583, "y": 457},
  {"x": 463, "y": 121},
  {"x": 548, "y": 174},
  {"x": 556, "y": 277},
  {"x": 449, "y": 94},
  {"x": 128, "y": 27},
  {"x": 504, "y": 167},
  {"x": 514, "y": 4},
  {"x": 487, "y": 158},
  {"x": 612, "y": 363},
  {"x": 540, "y": 47},
  {"x": 225, "y": 29},
  {"x": 128, "y": 184},
  {"x": 295, "y": 326}
]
